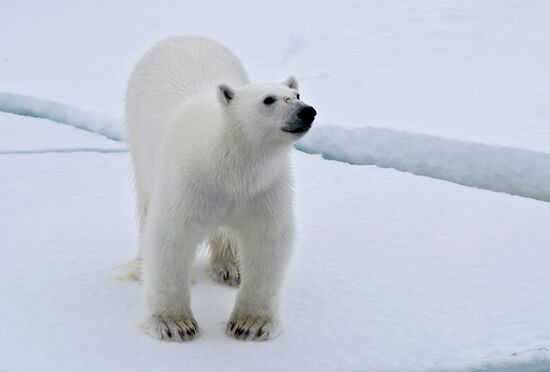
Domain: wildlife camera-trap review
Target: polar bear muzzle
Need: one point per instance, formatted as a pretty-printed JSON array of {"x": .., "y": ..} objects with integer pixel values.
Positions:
[{"x": 306, "y": 115}]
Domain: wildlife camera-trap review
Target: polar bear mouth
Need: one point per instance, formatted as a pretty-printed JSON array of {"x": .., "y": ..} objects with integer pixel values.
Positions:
[{"x": 298, "y": 130}]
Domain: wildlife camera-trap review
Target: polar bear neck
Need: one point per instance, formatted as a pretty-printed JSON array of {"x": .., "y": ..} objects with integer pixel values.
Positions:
[
  {"x": 220, "y": 151},
  {"x": 248, "y": 166}
]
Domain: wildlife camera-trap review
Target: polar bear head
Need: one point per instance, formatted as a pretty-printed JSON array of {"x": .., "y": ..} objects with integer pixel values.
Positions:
[{"x": 267, "y": 112}]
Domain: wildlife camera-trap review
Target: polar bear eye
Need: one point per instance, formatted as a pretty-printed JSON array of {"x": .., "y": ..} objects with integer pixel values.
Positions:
[
  {"x": 269, "y": 100},
  {"x": 297, "y": 96}
]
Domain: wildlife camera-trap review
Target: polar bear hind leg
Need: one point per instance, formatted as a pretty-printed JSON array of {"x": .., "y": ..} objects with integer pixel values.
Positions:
[{"x": 224, "y": 262}]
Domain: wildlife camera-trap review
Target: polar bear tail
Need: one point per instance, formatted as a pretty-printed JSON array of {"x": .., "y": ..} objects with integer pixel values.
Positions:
[{"x": 130, "y": 270}]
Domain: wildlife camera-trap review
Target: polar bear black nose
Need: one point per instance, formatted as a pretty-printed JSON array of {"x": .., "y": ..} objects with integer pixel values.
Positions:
[{"x": 307, "y": 115}]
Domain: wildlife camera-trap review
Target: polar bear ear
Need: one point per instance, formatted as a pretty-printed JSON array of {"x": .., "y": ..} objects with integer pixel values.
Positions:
[
  {"x": 291, "y": 82},
  {"x": 225, "y": 93}
]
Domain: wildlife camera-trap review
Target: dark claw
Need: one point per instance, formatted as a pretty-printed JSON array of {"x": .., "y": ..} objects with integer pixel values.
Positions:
[
  {"x": 260, "y": 333},
  {"x": 195, "y": 325},
  {"x": 246, "y": 333},
  {"x": 239, "y": 331},
  {"x": 181, "y": 333},
  {"x": 225, "y": 275},
  {"x": 190, "y": 332},
  {"x": 231, "y": 326},
  {"x": 168, "y": 333}
]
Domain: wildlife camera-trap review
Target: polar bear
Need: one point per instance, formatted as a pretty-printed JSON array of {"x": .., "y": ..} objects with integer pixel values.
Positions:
[{"x": 211, "y": 158}]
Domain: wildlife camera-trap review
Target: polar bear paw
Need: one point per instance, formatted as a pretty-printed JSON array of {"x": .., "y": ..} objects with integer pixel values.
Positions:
[
  {"x": 252, "y": 328},
  {"x": 172, "y": 329},
  {"x": 226, "y": 273}
]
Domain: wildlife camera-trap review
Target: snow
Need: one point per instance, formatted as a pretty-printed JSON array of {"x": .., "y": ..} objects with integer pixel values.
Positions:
[
  {"x": 402, "y": 273},
  {"x": 511, "y": 170},
  {"x": 393, "y": 271},
  {"x": 468, "y": 70},
  {"x": 406, "y": 261}
]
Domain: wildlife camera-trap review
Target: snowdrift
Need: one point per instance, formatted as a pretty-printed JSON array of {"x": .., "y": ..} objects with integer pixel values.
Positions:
[
  {"x": 496, "y": 168},
  {"x": 511, "y": 170},
  {"x": 61, "y": 113}
]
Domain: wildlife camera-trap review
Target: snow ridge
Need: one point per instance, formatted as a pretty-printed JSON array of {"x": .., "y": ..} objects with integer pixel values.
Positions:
[
  {"x": 64, "y": 150},
  {"x": 88, "y": 120},
  {"x": 502, "y": 169}
]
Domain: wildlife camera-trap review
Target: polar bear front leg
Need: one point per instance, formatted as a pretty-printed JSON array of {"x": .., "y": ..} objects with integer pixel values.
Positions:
[
  {"x": 266, "y": 242},
  {"x": 168, "y": 251}
]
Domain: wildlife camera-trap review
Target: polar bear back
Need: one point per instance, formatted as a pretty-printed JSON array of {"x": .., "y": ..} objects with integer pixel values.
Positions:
[{"x": 173, "y": 72}]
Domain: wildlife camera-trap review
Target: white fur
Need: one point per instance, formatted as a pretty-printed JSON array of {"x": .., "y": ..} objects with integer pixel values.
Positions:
[{"x": 210, "y": 162}]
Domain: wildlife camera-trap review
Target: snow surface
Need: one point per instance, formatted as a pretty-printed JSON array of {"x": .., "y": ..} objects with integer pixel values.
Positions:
[
  {"x": 469, "y": 70},
  {"x": 392, "y": 272}
]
